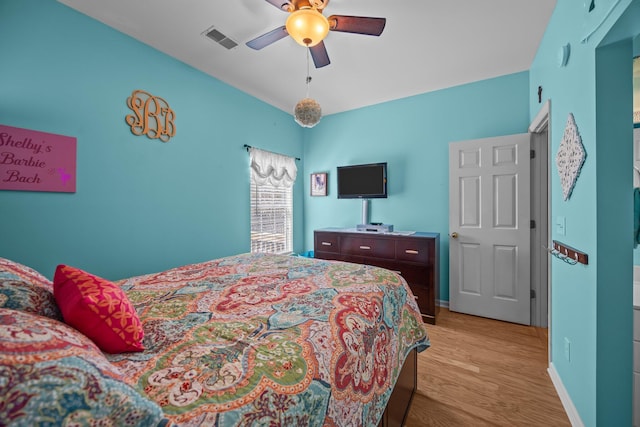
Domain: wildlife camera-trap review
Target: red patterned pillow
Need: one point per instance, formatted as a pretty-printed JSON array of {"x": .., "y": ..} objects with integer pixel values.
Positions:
[{"x": 99, "y": 309}]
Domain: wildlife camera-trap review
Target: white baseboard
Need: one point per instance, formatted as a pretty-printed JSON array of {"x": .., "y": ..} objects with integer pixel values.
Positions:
[
  {"x": 442, "y": 303},
  {"x": 569, "y": 408}
]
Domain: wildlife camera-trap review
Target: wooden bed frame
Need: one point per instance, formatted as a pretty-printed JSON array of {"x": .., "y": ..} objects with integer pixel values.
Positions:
[{"x": 400, "y": 401}]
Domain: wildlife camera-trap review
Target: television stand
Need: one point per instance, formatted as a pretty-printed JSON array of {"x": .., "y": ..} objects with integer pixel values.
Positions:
[{"x": 365, "y": 211}]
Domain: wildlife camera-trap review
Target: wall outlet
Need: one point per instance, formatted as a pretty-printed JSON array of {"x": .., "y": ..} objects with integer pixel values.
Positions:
[{"x": 567, "y": 349}]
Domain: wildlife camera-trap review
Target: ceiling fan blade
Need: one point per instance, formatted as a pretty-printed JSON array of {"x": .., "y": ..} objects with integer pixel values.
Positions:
[
  {"x": 357, "y": 24},
  {"x": 284, "y": 5},
  {"x": 320, "y": 55},
  {"x": 268, "y": 38}
]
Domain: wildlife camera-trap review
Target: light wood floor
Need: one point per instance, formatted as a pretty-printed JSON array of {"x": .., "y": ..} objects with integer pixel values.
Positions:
[{"x": 482, "y": 372}]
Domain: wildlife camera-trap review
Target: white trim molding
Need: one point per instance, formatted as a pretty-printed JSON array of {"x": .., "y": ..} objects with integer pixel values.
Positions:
[
  {"x": 569, "y": 408},
  {"x": 442, "y": 303},
  {"x": 541, "y": 121}
]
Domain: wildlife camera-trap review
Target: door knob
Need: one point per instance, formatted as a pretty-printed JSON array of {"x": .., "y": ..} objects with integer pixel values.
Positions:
[{"x": 454, "y": 235}]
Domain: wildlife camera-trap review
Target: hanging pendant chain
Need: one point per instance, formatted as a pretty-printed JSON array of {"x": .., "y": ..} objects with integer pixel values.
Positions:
[{"x": 308, "y": 75}]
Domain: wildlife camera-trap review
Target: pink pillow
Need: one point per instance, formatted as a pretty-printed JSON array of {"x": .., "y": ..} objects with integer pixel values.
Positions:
[{"x": 99, "y": 309}]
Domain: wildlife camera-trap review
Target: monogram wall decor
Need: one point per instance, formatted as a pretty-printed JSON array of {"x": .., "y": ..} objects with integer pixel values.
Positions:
[{"x": 151, "y": 116}]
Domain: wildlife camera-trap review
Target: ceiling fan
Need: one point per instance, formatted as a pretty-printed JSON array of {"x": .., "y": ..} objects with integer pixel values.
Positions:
[{"x": 307, "y": 26}]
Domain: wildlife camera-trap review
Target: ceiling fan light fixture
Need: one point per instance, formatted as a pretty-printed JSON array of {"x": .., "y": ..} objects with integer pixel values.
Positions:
[{"x": 307, "y": 27}]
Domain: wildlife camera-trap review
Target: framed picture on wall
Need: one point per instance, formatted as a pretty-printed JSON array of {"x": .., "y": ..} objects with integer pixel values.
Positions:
[{"x": 319, "y": 184}]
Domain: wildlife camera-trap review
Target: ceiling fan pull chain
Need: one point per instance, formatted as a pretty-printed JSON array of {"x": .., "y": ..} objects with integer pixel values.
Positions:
[{"x": 308, "y": 74}]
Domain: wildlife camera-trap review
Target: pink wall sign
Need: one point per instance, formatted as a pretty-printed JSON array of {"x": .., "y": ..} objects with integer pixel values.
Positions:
[{"x": 36, "y": 161}]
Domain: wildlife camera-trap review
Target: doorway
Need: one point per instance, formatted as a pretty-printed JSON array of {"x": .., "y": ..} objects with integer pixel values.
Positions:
[
  {"x": 614, "y": 206},
  {"x": 540, "y": 217},
  {"x": 480, "y": 204}
]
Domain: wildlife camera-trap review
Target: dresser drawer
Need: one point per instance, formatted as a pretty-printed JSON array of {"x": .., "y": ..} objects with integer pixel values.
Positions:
[
  {"x": 419, "y": 283},
  {"x": 636, "y": 325},
  {"x": 423, "y": 298},
  {"x": 413, "y": 274},
  {"x": 412, "y": 250},
  {"x": 325, "y": 242},
  {"x": 636, "y": 356},
  {"x": 368, "y": 247}
]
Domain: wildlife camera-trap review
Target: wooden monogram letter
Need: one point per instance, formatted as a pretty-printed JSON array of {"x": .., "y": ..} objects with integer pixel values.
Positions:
[{"x": 151, "y": 116}]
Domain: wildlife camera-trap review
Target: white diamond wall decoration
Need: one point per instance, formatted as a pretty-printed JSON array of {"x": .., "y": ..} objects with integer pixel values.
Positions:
[{"x": 570, "y": 157}]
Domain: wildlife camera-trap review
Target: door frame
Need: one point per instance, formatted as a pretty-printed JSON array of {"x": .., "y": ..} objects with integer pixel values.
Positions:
[{"x": 541, "y": 306}]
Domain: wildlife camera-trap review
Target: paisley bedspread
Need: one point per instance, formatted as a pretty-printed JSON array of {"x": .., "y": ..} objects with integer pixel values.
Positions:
[{"x": 259, "y": 339}]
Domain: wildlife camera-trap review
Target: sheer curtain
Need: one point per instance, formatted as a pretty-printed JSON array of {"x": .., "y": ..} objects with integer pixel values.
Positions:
[{"x": 272, "y": 179}]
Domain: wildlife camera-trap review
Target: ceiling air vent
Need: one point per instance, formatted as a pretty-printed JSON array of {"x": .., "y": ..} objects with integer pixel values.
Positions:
[{"x": 220, "y": 38}]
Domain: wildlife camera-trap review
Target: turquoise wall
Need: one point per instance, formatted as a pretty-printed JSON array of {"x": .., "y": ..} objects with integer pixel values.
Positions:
[
  {"x": 412, "y": 135},
  {"x": 144, "y": 206},
  {"x": 141, "y": 205},
  {"x": 592, "y": 305}
]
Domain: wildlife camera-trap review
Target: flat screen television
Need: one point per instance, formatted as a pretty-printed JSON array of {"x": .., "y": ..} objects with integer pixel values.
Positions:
[{"x": 362, "y": 181}]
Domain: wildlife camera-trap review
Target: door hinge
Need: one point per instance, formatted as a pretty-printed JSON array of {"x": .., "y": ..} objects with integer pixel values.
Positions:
[
  {"x": 532, "y": 154},
  {"x": 532, "y": 224},
  {"x": 533, "y": 293}
]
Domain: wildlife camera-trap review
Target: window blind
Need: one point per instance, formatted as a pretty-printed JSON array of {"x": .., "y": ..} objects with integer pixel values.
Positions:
[
  {"x": 272, "y": 179},
  {"x": 271, "y": 218}
]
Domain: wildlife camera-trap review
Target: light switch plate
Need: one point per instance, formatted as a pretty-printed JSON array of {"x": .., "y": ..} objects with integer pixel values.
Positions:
[
  {"x": 561, "y": 225},
  {"x": 567, "y": 349}
]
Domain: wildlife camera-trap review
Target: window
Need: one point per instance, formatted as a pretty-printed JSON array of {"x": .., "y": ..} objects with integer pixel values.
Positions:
[
  {"x": 271, "y": 218},
  {"x": 272, "y": 179}
]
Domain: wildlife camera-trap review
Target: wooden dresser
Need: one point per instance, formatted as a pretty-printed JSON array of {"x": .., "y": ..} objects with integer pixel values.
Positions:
[{"x": 415, "y": 257}]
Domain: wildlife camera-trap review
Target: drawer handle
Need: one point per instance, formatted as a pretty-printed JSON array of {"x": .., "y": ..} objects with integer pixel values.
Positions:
[
  {"x": 411, "y": 251},
  {"x": 326, "y": 243},
  {"x": 366, "y": 248}
]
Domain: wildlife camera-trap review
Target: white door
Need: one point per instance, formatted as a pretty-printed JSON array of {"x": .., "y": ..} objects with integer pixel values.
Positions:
[{"x": 489, "y": 228}]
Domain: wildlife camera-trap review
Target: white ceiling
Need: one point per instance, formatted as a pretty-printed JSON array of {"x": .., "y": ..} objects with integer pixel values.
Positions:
[{"x": 426, "y": 45}]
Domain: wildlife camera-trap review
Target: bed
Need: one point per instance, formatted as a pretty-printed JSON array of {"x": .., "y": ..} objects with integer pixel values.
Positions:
[{"x": 270, "y": 340}]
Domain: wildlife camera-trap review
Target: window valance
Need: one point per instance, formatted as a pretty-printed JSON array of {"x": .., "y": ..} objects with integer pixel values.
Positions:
[{"x": 275, "y": 169}]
